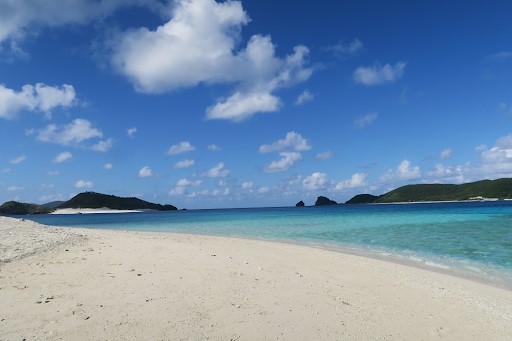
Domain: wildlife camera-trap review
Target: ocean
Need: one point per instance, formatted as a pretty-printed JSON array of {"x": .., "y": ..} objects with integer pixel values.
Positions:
[{"x": 464, "y": 238}]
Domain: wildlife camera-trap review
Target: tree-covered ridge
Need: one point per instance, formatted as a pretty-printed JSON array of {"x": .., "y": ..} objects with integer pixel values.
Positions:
[
  {"x": 496, "y": 189},
  {"x": 20, "y": 208},
  {"x": 98, "y": 200}
]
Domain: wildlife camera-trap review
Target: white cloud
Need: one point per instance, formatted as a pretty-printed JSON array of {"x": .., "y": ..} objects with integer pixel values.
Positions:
[
  {"x": 15, "y": 188},
  {"x": 449, "y": 174},
  {"x": 365, "y": 120},
  {"x": 199, "y": 45},
  {"x": 131, "y": 132},
  {"x": 75, "y": 132},
  {"x": 404, "y": 171},
  {"x": 21, "y": 18},
  {"x": 214, "y": 148},
  {"x": 445, "y": 154},
  {"x": 84, "y": 184},
  {"x": 497, "y": 160},
  {"x": 241, "y": 106},
  {"x": 505, "y": 108},
  {"x": 184, "y": 163},
  {"x": 377, "y": 74},
  {"x": 263, "y": 190},
  {"x": 324, "y": 155},
  {"x": 292, "y": 141},
  {"x": 342, "y": 49},
  {"x": 103, "y": 146},
  {"x": 247, "y": 185},
  {"x": 18, "y": 159},
  {"x": 5, "y": 170},
  {"x": 357, "y": 180},
  {"x": 501, "y": 56},
  {"x": 41, "y": 98},
  {"x": 53, "y": 173},
  {"x": 64, "y": 156},
  {"x": 315, "y": 181},
  {"x": 304, "y": 97},
  {"x": 182, "y": 147},
  {"x": 182, "y": 185},
  {"x": 108, "y": 166},
  {"x": 288, "y": 159},
  {"x": 145, "y": 172},
  {"x": 219, "y": 171}
]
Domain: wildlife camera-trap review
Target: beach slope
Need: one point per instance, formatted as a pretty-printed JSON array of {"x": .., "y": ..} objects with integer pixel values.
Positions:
[{"x": 112, "y": 285}]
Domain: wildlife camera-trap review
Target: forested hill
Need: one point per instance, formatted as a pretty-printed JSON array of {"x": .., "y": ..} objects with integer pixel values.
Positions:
[
  {"x": 98, "y": 200},
  {"x": 496, "y": 189}
]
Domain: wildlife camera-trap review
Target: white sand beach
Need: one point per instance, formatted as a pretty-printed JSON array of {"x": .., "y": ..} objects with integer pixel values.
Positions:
[
  {"x": 77, "y": 284},
  {"x": 91, "y": 210}
]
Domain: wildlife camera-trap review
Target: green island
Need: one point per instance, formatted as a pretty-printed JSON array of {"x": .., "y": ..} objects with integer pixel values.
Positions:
[
  {"x": 499, "y": 189},
  {"x": 84, "y": 200}
]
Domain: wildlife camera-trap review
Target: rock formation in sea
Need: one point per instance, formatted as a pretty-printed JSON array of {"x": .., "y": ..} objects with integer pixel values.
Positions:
[
  {"x": 324, "y": 201},
  {"x": 300, "y": 204}
]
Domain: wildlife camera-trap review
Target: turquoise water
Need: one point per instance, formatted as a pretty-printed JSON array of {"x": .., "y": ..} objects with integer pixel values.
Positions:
[{"x": 472, "y": 238}]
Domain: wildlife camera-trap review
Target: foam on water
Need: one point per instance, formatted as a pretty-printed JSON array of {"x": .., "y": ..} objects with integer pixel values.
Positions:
[{"x": 474, "y": 237}]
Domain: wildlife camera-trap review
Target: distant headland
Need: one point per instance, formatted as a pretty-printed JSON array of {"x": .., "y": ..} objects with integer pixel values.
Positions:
[
  {"x": 484, "y": 190},
  {"x": 86, "y": 200}
]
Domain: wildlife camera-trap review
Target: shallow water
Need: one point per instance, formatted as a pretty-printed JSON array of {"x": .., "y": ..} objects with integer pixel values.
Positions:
[{"x": 471, "y": 237}]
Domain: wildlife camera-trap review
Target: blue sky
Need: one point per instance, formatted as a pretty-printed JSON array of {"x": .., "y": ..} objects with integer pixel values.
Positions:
[{"x": 206, "y": 104}]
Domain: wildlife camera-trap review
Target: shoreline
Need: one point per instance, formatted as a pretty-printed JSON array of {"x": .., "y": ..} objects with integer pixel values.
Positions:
[
  {"x": 134, "y": 285},
  {"x": 103, "y": 210}
]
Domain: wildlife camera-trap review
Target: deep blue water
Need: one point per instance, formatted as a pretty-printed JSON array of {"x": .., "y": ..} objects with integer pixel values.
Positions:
[{"x": 474, "y": 236}]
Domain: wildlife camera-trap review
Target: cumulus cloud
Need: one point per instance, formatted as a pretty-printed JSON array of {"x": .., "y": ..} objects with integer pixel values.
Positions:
[
  {"x": 292, "y": 141},
  {"x": 75, "y": 132},
  {"x": 199, "y": 45},
  {"x": 108, "y": 166},
  {"x": 346, "y": 49},
  {"x": 18, "y": 159},
  {"x": 247, "y": 185},
  {"x": 324, "y": 155},
  {"x": 15, "y": 188},
  {"x": 145, "y": 172},
  {"x": 103, "y": 146},
  {"x": 288, "y": 159},
  {"x": 505, "y": 108},
  {"x": 445, "y": 154},
  {"x": 182, "y": 185},
  {"x": 315, "y": 181},
  {"x": 131, "y": 132},
  {"x": 365, "y": 120},
  {"x": 219, "y": 171},
  {"x": 501, "y": 56},
  {"x": 404, "y": 171},
  {"x": 241, "y": 106},
  {"x": 21, "y": 18},
  {"x": 182, "y": 147},
  {"x": 39, "y": 98},
  {"x": 184, "y": 163},
  {"x": 214, "y": 148},
  {"x": 64, "y": 156},
  {"x": 84, "y": 184},
  {"x": 377, "y": 74},
  {"x": 357, "y": 180},
  {"x": 304, "y": 97},
  {"x": 497, "y": 160},
  {"x": 263, "y": 190},
  {"x": 450, "y": 174}
]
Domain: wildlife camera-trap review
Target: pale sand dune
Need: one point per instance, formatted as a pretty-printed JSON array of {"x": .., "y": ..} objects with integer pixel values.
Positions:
[{"x": 152, "y": 286}]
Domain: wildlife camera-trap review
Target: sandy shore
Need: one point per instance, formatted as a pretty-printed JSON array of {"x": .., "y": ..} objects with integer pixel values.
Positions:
[
  {"x": 111, "y": 285},
  {"x": 91, "y": 210}
]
